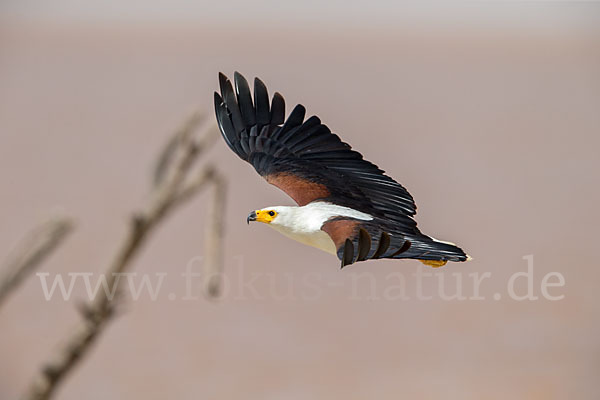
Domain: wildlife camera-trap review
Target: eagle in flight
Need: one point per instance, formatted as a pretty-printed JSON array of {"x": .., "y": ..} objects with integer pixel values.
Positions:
[{"x": 347, "y": 206}]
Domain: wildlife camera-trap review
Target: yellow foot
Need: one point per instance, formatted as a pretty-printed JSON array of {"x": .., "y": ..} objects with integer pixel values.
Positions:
[{"x": 434, "y": 263}]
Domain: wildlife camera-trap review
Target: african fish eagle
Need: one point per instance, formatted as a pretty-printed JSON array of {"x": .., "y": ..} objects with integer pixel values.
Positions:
[{"x": 347, "y": 206}]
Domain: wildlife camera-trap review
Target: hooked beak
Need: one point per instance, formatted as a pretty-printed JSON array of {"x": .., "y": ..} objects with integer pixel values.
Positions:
[{"x": 251, "y": 217}]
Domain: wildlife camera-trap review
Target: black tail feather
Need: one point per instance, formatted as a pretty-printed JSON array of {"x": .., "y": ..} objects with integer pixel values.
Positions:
[{"x": 425, "y": 248}]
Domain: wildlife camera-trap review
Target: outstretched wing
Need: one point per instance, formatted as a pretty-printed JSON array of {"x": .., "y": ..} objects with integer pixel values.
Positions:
[{"x": 303, "y": 157}]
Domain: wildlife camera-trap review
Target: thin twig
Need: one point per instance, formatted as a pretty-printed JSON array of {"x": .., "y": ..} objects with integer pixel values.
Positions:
[
  {"x": 213, "y": 242},
  {"x": 30, "y": 253},
  {"x": 170, "y": 192},
  {"x": 175, "y": 143},
  {"x": 181, "y": 140}
]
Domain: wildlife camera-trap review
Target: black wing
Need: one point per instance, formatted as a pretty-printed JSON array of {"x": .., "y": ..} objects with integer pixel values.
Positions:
[{"x": 303, "y": 157}]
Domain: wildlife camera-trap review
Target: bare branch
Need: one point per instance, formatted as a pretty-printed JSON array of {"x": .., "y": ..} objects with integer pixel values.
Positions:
[
  {"x": 30, "y": 253},
  {"x": 213, "y": 262},
  {"x": 170, "y": 191},
  {"x": 181, "y": 140},
  {"x": 175, "y": 143}
]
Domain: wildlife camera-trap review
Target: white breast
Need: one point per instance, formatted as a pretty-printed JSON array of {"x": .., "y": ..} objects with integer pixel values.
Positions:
[{"x": 303, "y": 224}]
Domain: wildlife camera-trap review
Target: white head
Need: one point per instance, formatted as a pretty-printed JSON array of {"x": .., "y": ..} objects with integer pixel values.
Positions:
[{"x": 275, "y": 215}]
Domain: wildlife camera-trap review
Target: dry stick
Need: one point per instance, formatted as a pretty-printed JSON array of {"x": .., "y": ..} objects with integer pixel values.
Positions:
[
  {"x": 169, "y": 195},
  {"x": 214, "y": 238},
  {"x": 180, "y": 140},
  {"x": 213, "y": 245},
  {"x": 30, "y": 253}
]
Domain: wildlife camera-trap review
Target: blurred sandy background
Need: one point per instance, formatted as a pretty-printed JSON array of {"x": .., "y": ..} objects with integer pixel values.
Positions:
[{"x": 488, "y": 115}]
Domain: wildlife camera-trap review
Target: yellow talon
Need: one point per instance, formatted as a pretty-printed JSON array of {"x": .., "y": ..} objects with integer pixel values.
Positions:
[{"x": 434, "y": 263}]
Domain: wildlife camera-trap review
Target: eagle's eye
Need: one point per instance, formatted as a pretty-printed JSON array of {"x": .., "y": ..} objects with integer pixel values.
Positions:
[{"x": 272, "y": 213}]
